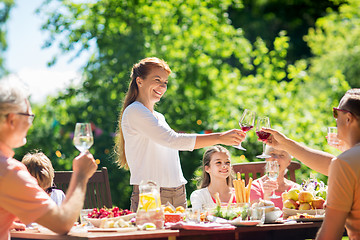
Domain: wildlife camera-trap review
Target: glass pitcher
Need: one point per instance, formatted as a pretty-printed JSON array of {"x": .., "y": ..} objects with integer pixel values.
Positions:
[{"x": 149, "y": 208}]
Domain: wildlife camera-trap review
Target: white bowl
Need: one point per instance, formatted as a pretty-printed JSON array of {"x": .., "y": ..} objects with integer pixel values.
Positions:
[
  {"x": 97, "y": 221},
  {"x": 272, "y": 216}
]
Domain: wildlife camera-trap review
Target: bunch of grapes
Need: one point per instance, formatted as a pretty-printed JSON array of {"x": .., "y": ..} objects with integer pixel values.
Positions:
[{"x": 108, "y": 213}]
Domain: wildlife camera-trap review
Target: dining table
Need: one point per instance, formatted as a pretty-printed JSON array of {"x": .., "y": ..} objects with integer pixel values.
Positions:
[{"x": 291, "y": 230}]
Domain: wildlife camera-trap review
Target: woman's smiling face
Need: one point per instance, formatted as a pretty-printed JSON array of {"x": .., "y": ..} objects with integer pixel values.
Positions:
[{"x": 153, "y": 86}]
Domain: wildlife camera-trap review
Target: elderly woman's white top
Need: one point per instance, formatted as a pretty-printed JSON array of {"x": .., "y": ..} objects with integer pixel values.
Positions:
[{"x": 151, "y": 147}]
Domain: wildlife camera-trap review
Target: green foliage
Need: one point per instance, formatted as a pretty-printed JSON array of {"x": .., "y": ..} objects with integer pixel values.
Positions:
[
  {"x": 266, "y": 18},
  {"x": 335, "y": 42},
  {"x": 5, "y": 7},
  {"x": 217, "y": 73}
]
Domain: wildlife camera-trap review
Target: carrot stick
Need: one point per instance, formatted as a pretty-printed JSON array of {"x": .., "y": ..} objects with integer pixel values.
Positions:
[
  {"x": 239, "y": 194},
  {"x": 243, "y": 190},
  {"x": 249, "y": 189},
  {"x": 230, "y": 200},
  {"x": 217, "y": 199}
]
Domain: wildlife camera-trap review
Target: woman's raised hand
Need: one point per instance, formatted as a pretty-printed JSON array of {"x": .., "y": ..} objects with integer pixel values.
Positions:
[
  {"x": 269, "y": 187},
  {"x": 232, "y": 137}
]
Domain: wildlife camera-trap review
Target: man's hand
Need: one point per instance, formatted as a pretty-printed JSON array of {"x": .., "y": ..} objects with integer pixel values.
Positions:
[
  {"x": 276, "y": 140},
  {"x": 84, "y": 165},
  {"x": 18, "y": 226},
  {"x": 340, "y": 144}
]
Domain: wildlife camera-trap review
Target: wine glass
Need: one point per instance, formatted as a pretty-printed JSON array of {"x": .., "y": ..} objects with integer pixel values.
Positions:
[
  {"x": 272, "y": 171},
  {"x": 332, "y": 136},
  {"x": 83, "y": 137},
  {"x": 246, "y": 123},
  {"x": 263, "y": 122}
]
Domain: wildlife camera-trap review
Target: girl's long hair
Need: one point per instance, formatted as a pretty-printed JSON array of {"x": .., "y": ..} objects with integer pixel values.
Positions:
[{"x": 141, "y": 70}]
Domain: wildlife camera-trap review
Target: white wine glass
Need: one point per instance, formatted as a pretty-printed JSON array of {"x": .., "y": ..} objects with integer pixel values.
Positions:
[
  {"x": 83, "y": 136},
  {"x": 263, "y": 122},
  {"x": 246, "y": 123},
  {"x": 272, "y": 171}
]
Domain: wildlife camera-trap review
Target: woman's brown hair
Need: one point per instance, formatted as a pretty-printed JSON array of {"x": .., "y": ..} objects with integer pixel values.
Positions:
[
  {"x": 206, "y": 162},
  {"x": 141, "y": 70}
]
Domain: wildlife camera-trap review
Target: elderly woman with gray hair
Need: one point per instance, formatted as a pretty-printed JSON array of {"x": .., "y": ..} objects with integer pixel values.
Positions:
[{"x": 263, "y": 187}]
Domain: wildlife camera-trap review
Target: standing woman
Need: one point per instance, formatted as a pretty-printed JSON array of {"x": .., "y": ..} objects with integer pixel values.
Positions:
[{"x": 147, "y": 145}]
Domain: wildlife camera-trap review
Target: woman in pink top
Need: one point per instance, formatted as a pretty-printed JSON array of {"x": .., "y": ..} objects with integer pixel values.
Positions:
[{"x": 263, "y": 187}]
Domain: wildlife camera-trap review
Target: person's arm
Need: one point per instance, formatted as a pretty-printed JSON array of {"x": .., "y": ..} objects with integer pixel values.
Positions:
[
  {"x": 333, "y": 225},
  {"x": 256, "y": 191},
  {"x": 61, "y": 219},
  {"x": 231, "y": 137},
  {"x": 140, "y": 118},
  {"x": 315, "y": 159}
]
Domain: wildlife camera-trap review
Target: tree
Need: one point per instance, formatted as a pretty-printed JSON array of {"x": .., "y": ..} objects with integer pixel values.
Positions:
[
  {"x": 335, "y": 42},
  {"x": 5, "y": 7},
  {"x": 266, "y": 18},
  {"x": 217, "y": 73}
]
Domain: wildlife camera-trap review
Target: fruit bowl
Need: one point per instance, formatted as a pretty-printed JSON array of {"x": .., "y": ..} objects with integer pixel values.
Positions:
[
  {"x": 97, "y": 221},
  {"x": 290, "y": 212}
]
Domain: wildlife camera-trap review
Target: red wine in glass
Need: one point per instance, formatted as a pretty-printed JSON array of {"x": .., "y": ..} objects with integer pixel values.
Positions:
[
  {"x": 262, "y": 122},
  {"x": 246, "y": 123},
  {"x": 262, "y": 135},
  {"x": 246, "y": 128}
]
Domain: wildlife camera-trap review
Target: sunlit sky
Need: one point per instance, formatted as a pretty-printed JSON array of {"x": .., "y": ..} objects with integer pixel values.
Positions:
[{"x": 26, "y": 59}]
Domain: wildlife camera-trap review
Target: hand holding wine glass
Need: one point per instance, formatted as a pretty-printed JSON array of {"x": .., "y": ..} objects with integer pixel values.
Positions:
[
  {"x": 246, "y": 123},
  {"x": 83, "y": 137},
  {"x": 272, "y": 171},
  {"x": 263, "y": 122}
]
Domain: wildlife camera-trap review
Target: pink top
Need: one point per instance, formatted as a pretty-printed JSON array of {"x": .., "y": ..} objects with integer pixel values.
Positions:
[
  {"x": 20, "y": 194},
  {"x": 257, "y": 191}
]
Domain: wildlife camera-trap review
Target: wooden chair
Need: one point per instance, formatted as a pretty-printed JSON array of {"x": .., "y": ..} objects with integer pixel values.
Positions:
[
  {"x": 98, "y": 192},
  {"x": 257, "y": 169}
]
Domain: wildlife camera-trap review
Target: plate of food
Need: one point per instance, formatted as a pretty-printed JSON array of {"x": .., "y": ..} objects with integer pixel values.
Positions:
[
  {"x": 239, "y": 222},
  {"x": 291, "y": 212},
  {"x": 304, "y": 217},
  {"x": 125, "y": 229},
  {"x": 101, "y": 217}
]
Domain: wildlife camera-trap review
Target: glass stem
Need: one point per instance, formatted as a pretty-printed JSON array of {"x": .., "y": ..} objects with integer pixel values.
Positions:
[{"x": 263, "y": 148}]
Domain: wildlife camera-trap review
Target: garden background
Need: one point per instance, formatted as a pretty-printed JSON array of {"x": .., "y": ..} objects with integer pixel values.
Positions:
[{"x": 289, "y": 60}]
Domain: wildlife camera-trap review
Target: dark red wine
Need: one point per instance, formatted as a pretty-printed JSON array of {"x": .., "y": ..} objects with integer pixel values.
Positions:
[
  {"x": 246, "y": 128},
  {"x": 262, "y": 135}
]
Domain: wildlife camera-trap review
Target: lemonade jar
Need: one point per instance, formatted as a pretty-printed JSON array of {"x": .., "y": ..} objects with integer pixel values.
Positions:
[{"x": 149, "y": 209}]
